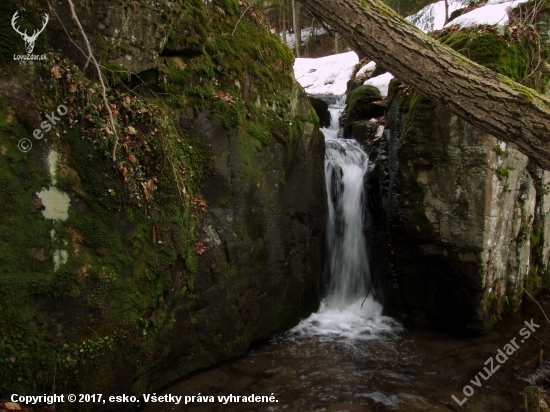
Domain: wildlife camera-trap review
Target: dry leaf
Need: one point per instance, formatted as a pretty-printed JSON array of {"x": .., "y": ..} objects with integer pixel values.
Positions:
[
  {"x": 132, "y": 158},
  {"x": 130, "y": 130},
  {"x": 126, "y": 102},
  {"x": 148, "y": 188},
  {"x": 12, "y": 406},
  {"x": 72, "y": 88},
  {"x": 226, "y": 97},
  {"x": 12, "y": 359},
  {"x": 200, "y": 203},
  {"x": 200, "y": 247},
  {"x": 55, "y": 72}
]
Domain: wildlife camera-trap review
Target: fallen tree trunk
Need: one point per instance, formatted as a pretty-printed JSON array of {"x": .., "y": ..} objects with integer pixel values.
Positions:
[{"x": 509, "y": 111}]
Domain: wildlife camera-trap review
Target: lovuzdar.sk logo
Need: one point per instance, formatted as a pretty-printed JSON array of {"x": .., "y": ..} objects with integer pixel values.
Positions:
[{"x": 29, "y": 40}]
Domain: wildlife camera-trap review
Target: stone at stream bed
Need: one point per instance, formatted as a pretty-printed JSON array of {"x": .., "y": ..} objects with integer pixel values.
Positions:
[{"x": 535, "y": 401}]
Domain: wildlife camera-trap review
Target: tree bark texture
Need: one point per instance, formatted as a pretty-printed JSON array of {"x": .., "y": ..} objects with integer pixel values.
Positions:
[
  {"x": 509, "y": 111},
  {"x": 297, "y": 30}
]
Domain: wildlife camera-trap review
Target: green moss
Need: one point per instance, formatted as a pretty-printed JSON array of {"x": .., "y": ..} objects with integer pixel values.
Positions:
[
  {"x": 510, "y": 58},
  {"x": 259, "y": 131},
  {"x": 122, "y": 240},
  {"x": 282, "y": 178},
  {"x": 119, "y": 246},
  {"x": 231, "y": 115},
  {"x": 498, "y": 150},
  {"x": 364, "y": 94},
  {"x": 501, "y": 173}
]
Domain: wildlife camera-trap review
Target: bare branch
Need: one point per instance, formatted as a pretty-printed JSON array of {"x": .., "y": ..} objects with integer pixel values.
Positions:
[{"x": 100, "y": 74}]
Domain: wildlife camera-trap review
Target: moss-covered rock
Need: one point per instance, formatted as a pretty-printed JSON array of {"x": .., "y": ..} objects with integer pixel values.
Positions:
[
  {"x": 206, "y": 232},
  {"x": 491, "y": 50},
  {"x": 363, "y": 103},
  {"x": 461, "y": 224}
]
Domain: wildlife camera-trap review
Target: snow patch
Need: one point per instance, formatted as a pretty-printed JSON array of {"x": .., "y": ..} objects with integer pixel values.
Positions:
[
  {"x": 493, "y": 13},
  {"x": 381, "y": 82},
  {"x": 367, "y": 68},
  {"x": 326, "y": 75}
]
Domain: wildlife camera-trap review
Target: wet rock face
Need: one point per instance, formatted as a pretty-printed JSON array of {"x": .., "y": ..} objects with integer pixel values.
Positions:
[
  {"x": 264, "y": 238},
  {"x": 457, "y": 219},
  {"x": 205, "y": 235},
  {"x": 321, "y": 108}
]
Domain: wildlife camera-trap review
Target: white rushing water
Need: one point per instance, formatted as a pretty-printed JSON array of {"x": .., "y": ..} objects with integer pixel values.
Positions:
[{"x": 344, "y": 312}]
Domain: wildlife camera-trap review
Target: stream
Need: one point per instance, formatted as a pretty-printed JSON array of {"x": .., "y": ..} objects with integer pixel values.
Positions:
[{"x": 349, "y": 356}]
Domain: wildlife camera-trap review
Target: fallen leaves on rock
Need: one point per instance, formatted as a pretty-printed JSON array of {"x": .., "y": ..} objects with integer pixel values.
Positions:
[
  {"x": 200, "y": 203},
  {"x": 55, "y": 71},
  {"x": 200, "y": 247},
  {"x": 226, "y": 97},
  {"x": 148, "y": 188}
]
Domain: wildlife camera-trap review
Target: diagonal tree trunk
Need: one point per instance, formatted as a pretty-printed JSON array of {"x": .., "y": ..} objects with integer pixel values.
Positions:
[{"x": 494, "y": 103}]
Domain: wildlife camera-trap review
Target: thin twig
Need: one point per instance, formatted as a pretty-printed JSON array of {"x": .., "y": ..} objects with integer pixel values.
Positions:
[
  {"x": 537, "y": 304},
  {"x": 103, "y": 87},
  {"x": 375, "y": 371},
  {"x": 368, "y": 293},
  {"x": 238, "y": 21}
]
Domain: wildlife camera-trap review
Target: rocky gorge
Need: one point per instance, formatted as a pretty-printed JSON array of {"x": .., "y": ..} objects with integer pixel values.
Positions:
[{"x": 172, "y": 210}]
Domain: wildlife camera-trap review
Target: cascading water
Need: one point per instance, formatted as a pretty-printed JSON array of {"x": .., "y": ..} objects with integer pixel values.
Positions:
[
  {"x": 345, "y": 166},
  {"x": 344, "y": 312}
]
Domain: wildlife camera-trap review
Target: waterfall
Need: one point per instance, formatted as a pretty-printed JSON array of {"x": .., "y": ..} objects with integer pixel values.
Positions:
[
  {"x": 345, "y": 166},
  {"x": 344, "y": 312}
]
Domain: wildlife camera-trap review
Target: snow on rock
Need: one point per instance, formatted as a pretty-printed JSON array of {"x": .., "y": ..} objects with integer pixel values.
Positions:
[
  {"x": 367, "y": 68},
  {"x": 326, "y": 75},
  {"x": 495, "y": 12},
  {"x": 381, "y": 82}
]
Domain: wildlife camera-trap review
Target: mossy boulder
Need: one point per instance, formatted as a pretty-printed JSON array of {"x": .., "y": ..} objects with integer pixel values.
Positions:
[
  {"x": 451, "y": 197},
  {"x": 128, "y": 260},
  {"x": 363, "y": 103},
  {"x": 460, "y": 225},
  {"x": 492, "y": 51}
]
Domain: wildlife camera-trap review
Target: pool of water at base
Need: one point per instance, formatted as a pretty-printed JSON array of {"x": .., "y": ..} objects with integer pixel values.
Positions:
[{"x": 412, "y": 370}]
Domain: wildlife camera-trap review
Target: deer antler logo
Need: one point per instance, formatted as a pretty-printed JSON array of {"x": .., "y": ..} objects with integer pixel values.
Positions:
[{"x": 29, "y": 40}]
